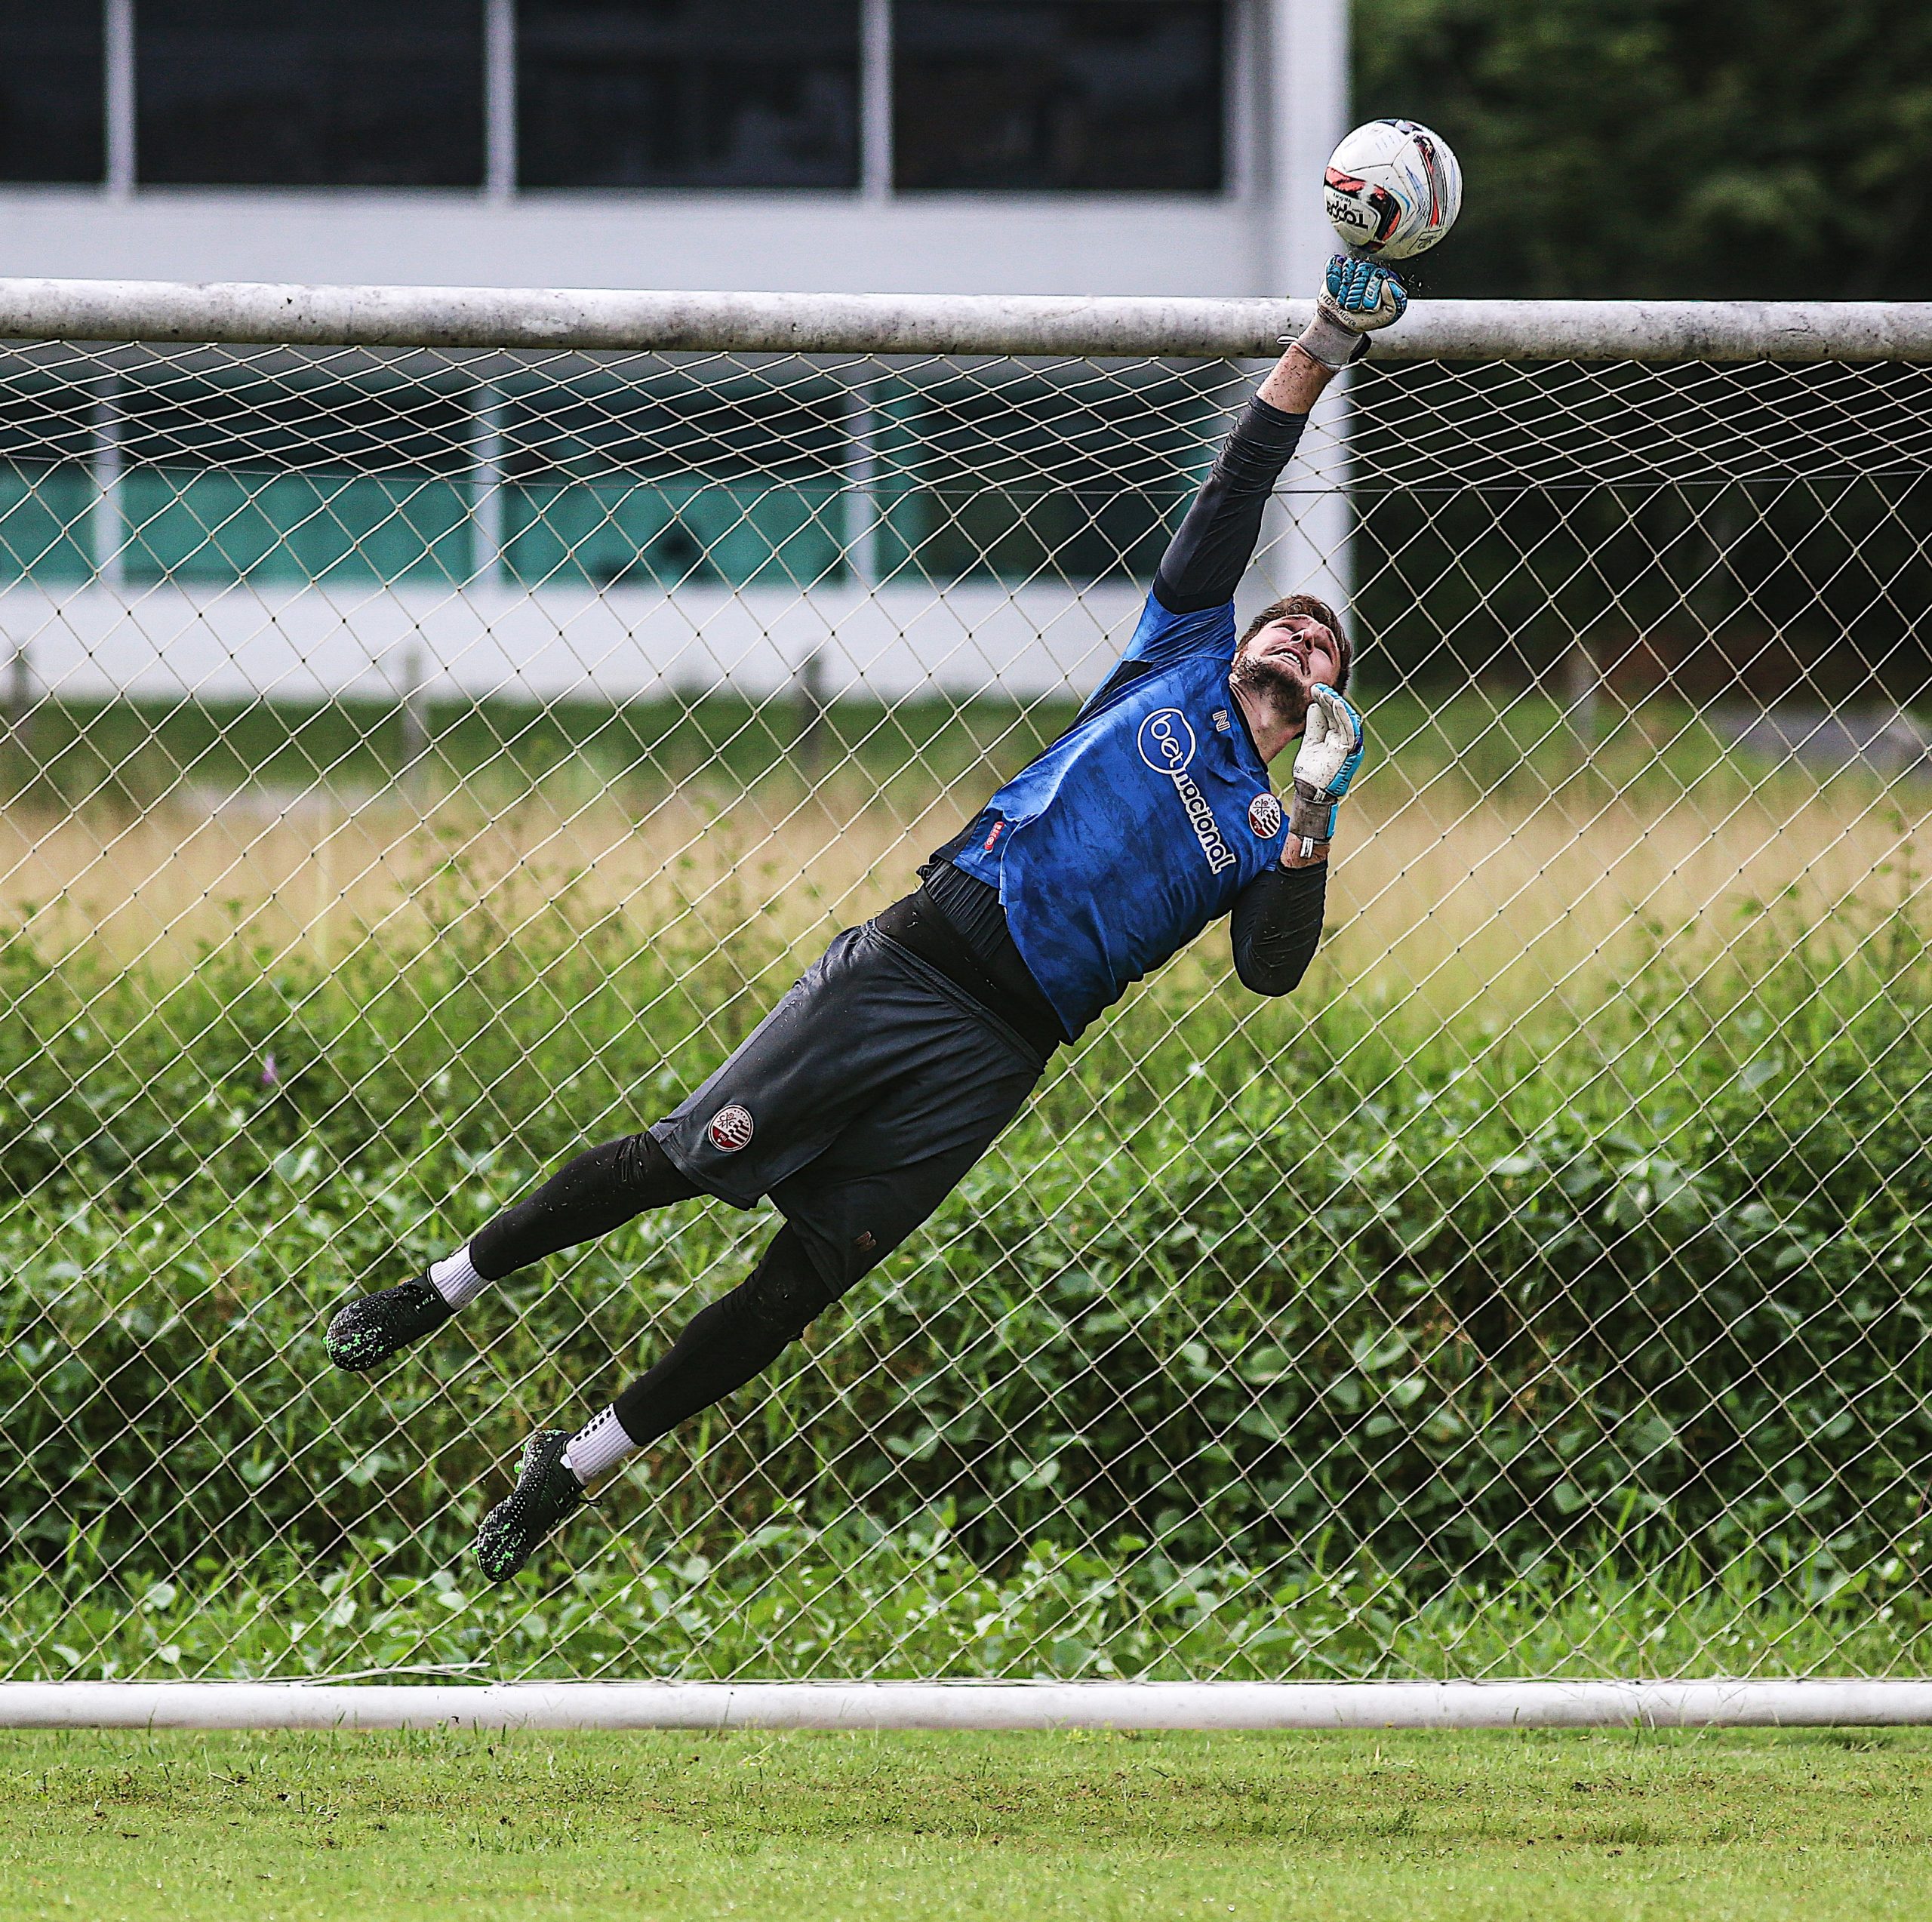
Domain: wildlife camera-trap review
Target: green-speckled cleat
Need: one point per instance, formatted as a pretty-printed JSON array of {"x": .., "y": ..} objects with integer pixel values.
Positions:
[
  {"x": 546, "y": 1492},
  {"x": 374, "y": 1328}
]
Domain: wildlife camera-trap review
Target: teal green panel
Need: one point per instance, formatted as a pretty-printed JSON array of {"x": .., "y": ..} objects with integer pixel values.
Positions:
[
  {"x": 902, "y": 513},
  {"x": 667, "y": 533},
  {"x": 199, "y": 525},
  {"x": 1022, "y": 479},
  {"x": 193, "y": 525},
  {"x": 381, "y": 527},
  {"x": 44, "y": 514},
  {"x": 609, "y": 531}
]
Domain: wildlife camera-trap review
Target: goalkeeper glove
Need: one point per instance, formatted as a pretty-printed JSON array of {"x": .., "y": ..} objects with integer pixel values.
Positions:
[
  {"x": 1360, "y": 296},
  {"x": 1325, "y": 764}
]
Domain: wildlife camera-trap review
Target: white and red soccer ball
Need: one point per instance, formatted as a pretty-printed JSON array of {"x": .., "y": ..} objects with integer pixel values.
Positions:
[{"x": 1393, "y": 190}]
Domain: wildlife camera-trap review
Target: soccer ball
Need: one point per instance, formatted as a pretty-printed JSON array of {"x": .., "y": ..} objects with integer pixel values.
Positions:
[{"x": 1394, "y": 189}]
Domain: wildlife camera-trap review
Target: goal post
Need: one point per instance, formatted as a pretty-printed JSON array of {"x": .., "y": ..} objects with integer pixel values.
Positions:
[
  {"x": 1036, "y": 1706},
  {"x": 438, "y": 722},
  {"x": 592, "y": 319}
]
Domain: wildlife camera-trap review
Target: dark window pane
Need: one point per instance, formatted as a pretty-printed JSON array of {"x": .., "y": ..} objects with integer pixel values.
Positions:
[
  {"x": 1017, "y": 478},
  {"x": 310, "y": 92},
  {"x": 1105, "y": 96},
  {"x": 294, "y": 481},
  {"x": 787, "y": 430},
  {"x": 52, "y": 121},
  {"x": 664, "y": 481},
  {"x": 688, "y": 93}
]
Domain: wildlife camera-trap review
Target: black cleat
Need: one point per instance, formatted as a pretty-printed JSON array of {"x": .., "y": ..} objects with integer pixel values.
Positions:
[
  {"x": 547, "y": 1491},
  {"x": 372, "y": 1328}
]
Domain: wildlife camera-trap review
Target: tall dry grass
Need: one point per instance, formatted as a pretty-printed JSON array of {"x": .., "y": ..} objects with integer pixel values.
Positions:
[{"x": 1444, "y": 900}]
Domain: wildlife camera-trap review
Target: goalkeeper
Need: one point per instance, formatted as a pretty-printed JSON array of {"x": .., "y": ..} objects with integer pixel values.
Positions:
[{"x": 885, "y": 1073}]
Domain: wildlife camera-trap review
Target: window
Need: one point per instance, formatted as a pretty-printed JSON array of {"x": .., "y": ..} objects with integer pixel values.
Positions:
[
  {"x": 310, "y": 92},
  {"x": 52, "y": 121},
  {"x": 1098, "y": 95},
  {"x": 47, "y": 487},
  {"x": 667, "y": 484},
  {"x": 289, "y": 481},
  {"x": 1013, "y": 477},
  {"x": 688, "y": 93}
]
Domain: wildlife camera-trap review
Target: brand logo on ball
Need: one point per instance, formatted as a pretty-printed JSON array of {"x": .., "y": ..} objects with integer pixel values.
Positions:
[
  {"x": 1264, "y": 816},
  {"x": 731, "y": 1129},
  {"x": 1167, "y": 745},
  {"x": 1166, "y": 741}
]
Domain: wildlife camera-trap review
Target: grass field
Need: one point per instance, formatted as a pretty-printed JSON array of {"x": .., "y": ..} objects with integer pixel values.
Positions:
[{"x": 665, "y": 1828}]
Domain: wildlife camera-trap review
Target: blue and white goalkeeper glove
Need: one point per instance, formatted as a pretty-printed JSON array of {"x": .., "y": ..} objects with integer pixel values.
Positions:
[
  {"x": 1325, "y": 764},
  {"x": 1359, "y": 297}
]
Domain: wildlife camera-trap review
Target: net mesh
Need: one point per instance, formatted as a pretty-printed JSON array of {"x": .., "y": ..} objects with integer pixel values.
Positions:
[{"x": 420, "y": 765}]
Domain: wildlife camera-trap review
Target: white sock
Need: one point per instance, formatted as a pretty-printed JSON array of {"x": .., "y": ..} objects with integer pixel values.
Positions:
[
  {"x": 455, "y": 1278},
  {"x": 598, "y": 1447}
]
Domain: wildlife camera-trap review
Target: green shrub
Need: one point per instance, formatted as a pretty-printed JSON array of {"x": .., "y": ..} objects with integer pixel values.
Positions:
[{"x": 1651, "y": 1288}]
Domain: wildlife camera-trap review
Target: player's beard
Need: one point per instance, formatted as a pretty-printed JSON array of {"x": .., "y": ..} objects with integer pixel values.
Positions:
[{"x": 1274, "y": 684}]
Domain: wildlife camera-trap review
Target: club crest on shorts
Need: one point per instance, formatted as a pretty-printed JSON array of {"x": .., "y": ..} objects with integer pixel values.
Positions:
[
  {"x": 731, "y": 1129},
  {"x": 1264, "y": 816}
]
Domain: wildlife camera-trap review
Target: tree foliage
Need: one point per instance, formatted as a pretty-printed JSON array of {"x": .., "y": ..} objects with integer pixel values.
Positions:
[{"x": 1766, "y": 150}]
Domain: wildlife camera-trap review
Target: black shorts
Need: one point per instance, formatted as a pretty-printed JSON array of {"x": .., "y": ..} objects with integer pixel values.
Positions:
[{"x": 856, "y": 1104}]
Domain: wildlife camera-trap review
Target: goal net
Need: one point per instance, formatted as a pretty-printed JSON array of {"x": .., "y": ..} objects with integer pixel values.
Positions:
[{"x": 421, "y": 762}]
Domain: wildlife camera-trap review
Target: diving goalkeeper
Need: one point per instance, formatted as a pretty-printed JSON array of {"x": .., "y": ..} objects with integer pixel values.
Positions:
[{"x": 885, "y": 1073}]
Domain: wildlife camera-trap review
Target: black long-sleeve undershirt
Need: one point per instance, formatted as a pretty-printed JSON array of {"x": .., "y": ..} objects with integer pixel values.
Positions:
[
  {"x": 1277, "y": 919},
  {"x": 1215, "y": 541},
  {"x": 1276, "y": 925}
]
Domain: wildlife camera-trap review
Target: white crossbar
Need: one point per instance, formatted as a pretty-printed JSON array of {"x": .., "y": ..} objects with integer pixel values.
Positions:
[
  {"x": 595, "y": 319},
  {"x": 986, "y": 1705}
]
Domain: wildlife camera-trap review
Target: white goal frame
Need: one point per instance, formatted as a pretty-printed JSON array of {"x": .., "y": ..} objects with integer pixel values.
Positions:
[
  {"x": 243, "y": 312},
  {"x": 1818, "y": 1703},
  {"x": 361, "y": 316}
]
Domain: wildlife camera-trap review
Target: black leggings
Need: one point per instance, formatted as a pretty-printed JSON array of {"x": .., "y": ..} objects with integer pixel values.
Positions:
[
  {"x": 600, "y": 1189},
  {"x": 726, "y": 1343}
]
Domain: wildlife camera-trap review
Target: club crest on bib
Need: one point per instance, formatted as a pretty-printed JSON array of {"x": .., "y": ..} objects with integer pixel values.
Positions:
[
  {"x": 1264, "y": 816},
  {"x": 731, "y": 1129}
]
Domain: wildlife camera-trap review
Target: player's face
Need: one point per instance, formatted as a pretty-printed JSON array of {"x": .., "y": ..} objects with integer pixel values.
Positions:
[
  {"x": 1289, "y": 656},
  {"x": 1300, "y": 642}
]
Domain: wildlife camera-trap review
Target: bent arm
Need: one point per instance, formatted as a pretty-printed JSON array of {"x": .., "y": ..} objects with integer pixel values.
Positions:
[
  {"x": 1276, "y": 924},
  {"x": 1210, "y": 552}
]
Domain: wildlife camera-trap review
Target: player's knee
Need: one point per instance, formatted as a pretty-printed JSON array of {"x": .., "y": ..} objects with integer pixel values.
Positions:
[
  {"x": 786, "y": 1293},
  {"x": 647, "y": 1174}
]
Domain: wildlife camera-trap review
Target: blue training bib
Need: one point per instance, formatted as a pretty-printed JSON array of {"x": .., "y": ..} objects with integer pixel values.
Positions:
[{"x": 1139, "y": 826}]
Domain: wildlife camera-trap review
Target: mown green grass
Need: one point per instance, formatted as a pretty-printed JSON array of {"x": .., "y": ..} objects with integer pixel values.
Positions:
[{"x": 1498, "y": 1826}]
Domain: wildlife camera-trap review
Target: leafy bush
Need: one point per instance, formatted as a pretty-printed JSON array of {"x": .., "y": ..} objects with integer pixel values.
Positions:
[{"x": 1655, "y": 1290}]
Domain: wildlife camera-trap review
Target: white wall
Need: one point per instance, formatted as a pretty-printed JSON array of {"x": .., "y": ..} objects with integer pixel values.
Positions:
[{"x": 751, "y": 242}]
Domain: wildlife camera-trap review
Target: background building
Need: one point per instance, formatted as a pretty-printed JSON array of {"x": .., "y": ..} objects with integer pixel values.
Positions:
[
  {"x": 1131, "y": 146},
  {"x": 232, "y": 526}
]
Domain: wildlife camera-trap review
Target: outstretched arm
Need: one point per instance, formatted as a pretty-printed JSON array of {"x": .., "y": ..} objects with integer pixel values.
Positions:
[
  {"x": 1211, "y": 550},
  {"x": 1209, "y": 554}
]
